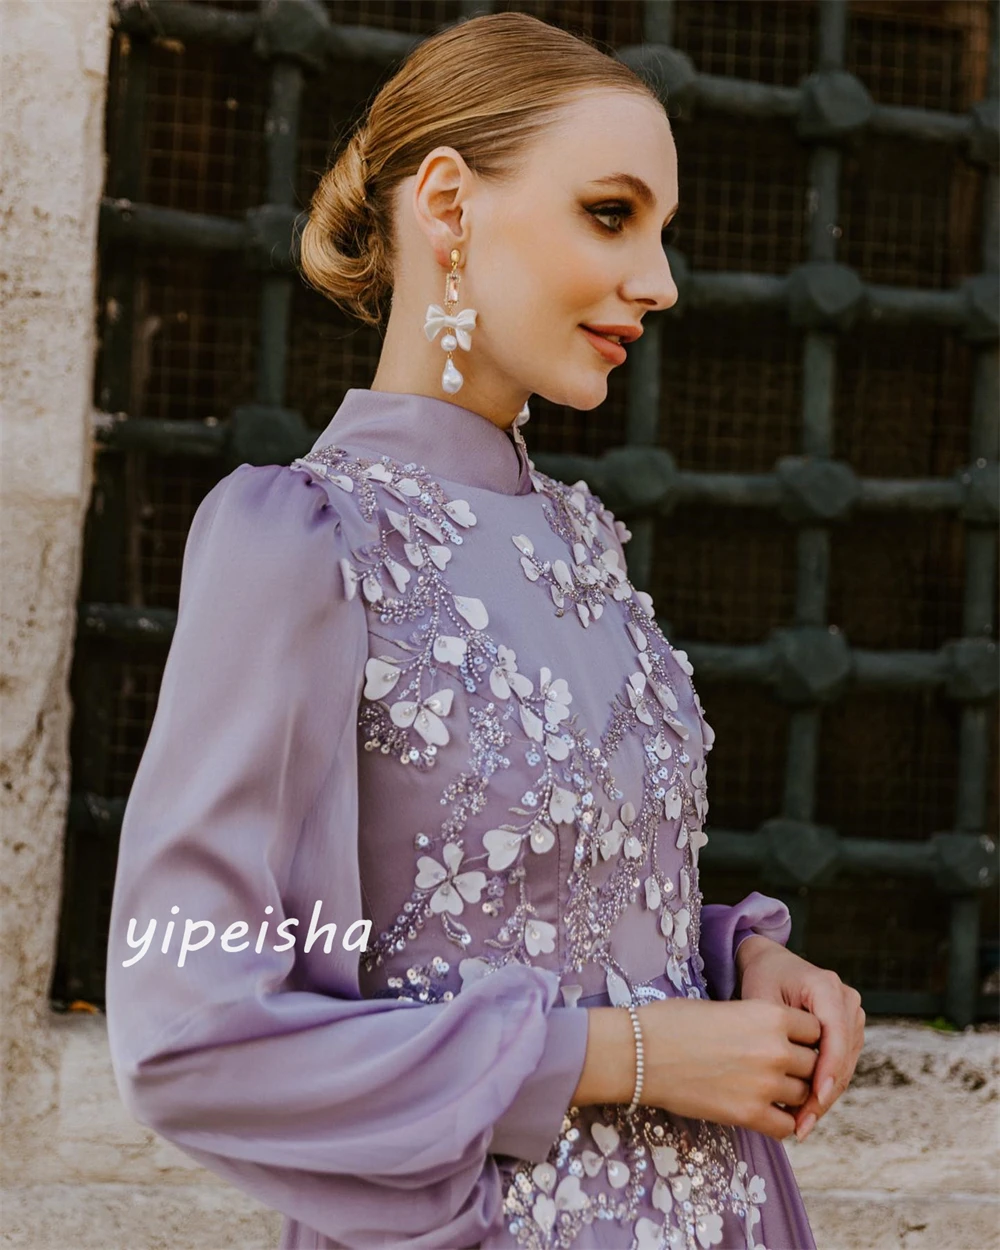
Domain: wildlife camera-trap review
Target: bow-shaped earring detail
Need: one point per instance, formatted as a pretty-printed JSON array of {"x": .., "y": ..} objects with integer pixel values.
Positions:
[
  {"x": 457, "y": 326},
  {"x": 437, "y": 319}
]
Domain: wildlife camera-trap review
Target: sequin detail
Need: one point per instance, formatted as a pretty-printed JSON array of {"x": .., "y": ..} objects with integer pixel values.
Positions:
[
  {"x": 434, "y": 650},
  {"x": 688, "y": 1168}
]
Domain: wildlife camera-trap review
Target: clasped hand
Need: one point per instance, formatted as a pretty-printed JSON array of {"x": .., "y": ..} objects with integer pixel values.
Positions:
[
  {"x": 767, "y": 970},
  {"x": 774, "y": 1059}
]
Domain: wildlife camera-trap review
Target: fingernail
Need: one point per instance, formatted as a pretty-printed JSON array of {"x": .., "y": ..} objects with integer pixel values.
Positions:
[
  {"x": 826, "y": 1090},
  {"x": 805, "y": 1128}
]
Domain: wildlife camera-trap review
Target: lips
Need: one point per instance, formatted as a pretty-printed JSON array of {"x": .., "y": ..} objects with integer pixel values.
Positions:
[
  {"x": 627, "y": 333},
  {"x": 614, "y": 352}
]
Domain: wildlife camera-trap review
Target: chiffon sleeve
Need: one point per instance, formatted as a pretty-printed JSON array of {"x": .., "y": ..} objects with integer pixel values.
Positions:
[
  {"x": 724, "y": 928},
  {"x": 370, "y": 1120}
]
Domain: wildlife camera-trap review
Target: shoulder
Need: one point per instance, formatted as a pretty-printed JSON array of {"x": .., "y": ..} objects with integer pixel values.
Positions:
[
  {"x": 264, "y": 530},
  {"x": 263, "y": 497}
]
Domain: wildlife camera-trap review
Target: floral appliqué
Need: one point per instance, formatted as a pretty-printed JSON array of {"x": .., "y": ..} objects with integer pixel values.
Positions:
[{"x": 572, "y": 799}]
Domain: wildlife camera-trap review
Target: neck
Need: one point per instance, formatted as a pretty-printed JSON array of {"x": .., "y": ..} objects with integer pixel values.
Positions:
[{"x": 411, "y": 365}]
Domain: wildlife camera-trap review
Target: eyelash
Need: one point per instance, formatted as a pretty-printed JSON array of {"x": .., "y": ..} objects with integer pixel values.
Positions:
[{"x": 669, "y": 233}]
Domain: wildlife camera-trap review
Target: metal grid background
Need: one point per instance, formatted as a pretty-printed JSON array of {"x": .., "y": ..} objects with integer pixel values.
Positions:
[{"x": 195, "y": 331}]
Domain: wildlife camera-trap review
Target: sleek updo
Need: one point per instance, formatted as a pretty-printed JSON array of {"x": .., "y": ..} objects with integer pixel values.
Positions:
[{"x": 485, "y": 87}]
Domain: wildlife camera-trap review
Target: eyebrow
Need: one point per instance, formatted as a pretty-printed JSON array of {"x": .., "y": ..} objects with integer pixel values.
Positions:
[{"x": 636, "y": 185}]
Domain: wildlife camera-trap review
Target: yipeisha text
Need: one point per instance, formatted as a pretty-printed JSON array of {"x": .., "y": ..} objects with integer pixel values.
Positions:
[{"x": 230, "y": 937}]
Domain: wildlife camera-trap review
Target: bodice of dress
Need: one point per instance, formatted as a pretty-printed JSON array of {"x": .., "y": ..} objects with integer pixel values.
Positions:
[{"x": 532, "y": 785}]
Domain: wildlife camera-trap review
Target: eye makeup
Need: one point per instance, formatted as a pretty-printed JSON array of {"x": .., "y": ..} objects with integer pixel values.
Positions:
[{"x": 624, "y": 210}]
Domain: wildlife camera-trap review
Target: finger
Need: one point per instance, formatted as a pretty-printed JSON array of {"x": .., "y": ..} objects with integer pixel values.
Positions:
[
  {"x": 793, "y": 1092},
  {"x": 801, "y": 1061},
  {"x": 803, "y": 1026},
  {"x": 810, "y": 1107},
  {"x": 813, "y": 1107},
  {"x": 775, "y": 1123},
  {"x": 835, "y": 1044}
]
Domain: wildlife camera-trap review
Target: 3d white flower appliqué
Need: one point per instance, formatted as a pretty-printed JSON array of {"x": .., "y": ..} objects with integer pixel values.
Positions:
[
  {"x": 636, "y": 690},
  {"x": 556, "y": 695},
  {"x": 539, "y": 936},
  {"x": 755, "y": 1195},
  {"x": 562, "y": 805},
  {"x": 504, "y": 845},
  {"x": 449, "y": 649},
  {"x": 675, "y": 925},
  {"x": 381, "y": 675},
  {"x": 454, "y": 888},
  {"x": 670, "y": 1186},
  {"x": 650, "y": 1236},
  {"x": 504, "y": 676},
  {"x": 607, "y": 1140},
  {"x": 682, "y": 659},
  {"x": 699, "y": 782},
  {"x": 473, "y": 610},
  {"x": 568, "y": 1196},
  {"x": 425, "y": 717},
  {"x": 610, "y": 840},
  {"x": 754, "y": 1190}
]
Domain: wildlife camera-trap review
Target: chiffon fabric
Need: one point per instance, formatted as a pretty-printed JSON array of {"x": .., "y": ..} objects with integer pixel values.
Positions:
[{"x": 411, "y": 684}]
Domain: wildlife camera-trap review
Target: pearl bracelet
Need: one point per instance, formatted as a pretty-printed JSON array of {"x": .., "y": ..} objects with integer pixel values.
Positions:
[{"x": 639, "y": 1060}]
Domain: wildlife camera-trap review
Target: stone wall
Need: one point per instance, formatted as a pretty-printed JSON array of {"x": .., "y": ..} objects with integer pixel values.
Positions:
[{"x": 53, "y": 74}]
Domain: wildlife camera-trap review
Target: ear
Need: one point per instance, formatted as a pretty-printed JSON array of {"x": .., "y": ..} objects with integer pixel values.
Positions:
[{"x": 441, "y": 188}]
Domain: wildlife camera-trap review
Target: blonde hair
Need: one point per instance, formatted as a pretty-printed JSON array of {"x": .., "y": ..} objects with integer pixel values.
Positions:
[{"x": 485, "y": 87}]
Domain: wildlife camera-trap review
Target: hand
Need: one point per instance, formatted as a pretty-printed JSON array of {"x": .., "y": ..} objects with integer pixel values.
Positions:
[
  {"x": 729, "y": 1062},
  {"x": 767, "y": 970}
]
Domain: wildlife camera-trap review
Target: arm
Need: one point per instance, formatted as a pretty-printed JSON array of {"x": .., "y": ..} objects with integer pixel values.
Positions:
[{"x": 362, "y": 1118}]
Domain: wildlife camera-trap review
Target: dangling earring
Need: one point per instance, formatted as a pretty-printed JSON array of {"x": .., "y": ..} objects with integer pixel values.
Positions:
[
  {"x": 457, "y": 327},
  {"x": 519, "y": 420}
]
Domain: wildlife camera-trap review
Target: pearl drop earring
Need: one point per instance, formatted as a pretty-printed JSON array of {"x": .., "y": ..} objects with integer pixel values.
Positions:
[
  {"x": 457, "y": 327},
  {"x": 519, "y": 420}
]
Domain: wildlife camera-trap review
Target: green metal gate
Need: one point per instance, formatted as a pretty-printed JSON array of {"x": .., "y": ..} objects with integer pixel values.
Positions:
[{"x": 825, "y": 552}]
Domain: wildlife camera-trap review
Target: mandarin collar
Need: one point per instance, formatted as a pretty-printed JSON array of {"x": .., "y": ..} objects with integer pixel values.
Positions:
[{"x": 449, "y": 441}]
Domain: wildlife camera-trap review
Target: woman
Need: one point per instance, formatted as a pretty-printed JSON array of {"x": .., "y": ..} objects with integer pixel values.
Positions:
[{"x": 412, "y": 696}]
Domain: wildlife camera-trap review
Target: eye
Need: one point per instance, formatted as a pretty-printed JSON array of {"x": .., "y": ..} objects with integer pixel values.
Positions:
[{"x": 624, "y": 211}]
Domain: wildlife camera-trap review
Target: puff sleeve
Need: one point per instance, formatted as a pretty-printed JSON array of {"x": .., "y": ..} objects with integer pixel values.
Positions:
[
  {"x": 371, "y": 1121},
  {"x": 724, "y": 928}
]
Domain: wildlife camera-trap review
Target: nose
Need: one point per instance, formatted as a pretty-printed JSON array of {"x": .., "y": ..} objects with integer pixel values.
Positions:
[{"x": 653, "y": 283}]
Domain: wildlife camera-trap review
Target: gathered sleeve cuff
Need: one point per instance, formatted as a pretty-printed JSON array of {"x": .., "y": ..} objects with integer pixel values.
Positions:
[
  {"x": 533, "y": 1121},
  {"x": 725, "y": 928},
  {"x": 370, "y": 1120}
]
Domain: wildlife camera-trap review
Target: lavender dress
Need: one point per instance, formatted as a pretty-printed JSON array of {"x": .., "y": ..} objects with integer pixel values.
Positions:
[{"x": 411, "y": 684}]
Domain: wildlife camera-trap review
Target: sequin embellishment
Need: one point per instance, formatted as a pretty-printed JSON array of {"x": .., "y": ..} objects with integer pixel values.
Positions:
[
  {"x": 618, "y": 849},
  {"x": 689, "y": 1169}
]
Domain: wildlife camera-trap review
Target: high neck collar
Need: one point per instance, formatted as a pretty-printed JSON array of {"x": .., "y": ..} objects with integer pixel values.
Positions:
[{"x": 448, "y": 440}]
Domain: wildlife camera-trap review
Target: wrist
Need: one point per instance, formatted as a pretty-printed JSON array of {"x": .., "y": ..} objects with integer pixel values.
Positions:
[
  {"x": 608, "y": 1074},
  {"x": 747, "y": 950}
]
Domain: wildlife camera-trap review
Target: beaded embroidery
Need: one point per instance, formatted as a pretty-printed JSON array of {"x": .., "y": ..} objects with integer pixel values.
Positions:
[
  {"x": 617, "y": 858},
  {"x": 696, "y": 1179},
  {"x": 570, "y": 765}
]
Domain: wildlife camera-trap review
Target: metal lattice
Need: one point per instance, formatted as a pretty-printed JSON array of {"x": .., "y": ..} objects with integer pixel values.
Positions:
[{"x": 809, "y": 436}]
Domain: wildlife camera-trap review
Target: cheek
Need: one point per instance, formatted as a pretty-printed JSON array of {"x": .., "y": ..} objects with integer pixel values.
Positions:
[
  {"x": 554, "y": 245},
  {"x": 581, "y": 277}
]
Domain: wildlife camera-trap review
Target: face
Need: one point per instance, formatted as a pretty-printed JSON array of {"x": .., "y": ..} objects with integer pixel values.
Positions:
[{"x": 568, "y": 245}]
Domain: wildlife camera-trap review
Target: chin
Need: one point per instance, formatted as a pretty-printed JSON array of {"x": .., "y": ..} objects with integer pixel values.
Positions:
[{"x": 583, "y": 390}]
